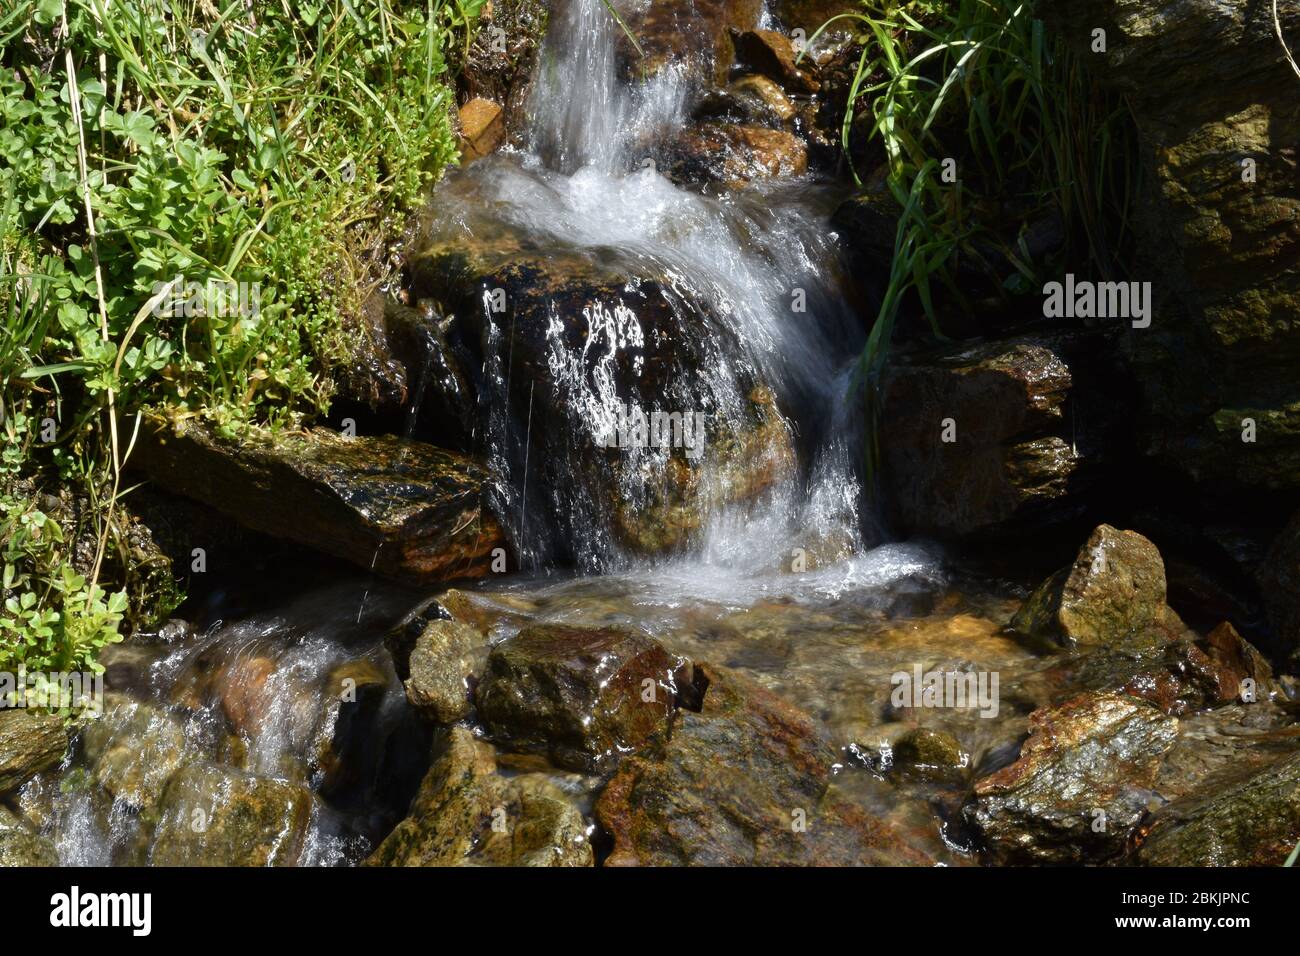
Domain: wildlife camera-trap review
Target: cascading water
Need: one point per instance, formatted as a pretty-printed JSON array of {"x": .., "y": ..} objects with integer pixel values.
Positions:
[
  {"x": 688, "y": 299},
  {"x": 750, "y": 278}
]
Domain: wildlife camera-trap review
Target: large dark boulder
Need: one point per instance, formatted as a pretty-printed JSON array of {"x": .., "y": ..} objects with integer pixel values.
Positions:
[
  {"x": 1217, "y": 110},
  {"x": 564, "y": 341},
  {"x": 977, "y": 441},
  {"x": 402, "y": 508}
]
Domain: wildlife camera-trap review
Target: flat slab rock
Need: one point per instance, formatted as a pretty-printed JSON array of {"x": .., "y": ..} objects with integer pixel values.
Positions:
[
  {"x": 1084, "y": 780},
  {"x": 744, "y": 782},
  {"x": 582, "y": 696},
  {"x": 406, "y": 509}
]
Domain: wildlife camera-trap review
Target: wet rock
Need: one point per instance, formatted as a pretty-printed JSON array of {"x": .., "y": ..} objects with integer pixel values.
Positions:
[
  {"x": 1234, "y": 819},
  {"x": 1218, "y": 224},
  {"x": 584, "y": 697},
  {"x": 22, "y": 846},
  {"x": 764, "y": 98},
  {"x": 731, "y": 155},
  {"x": 693, "y": 36},
  {"x": 482, "y": 128},
  {"x": 405, "y": 509},
  {"x": 1006, "y": 462},
  {"x": 467, "y": 814},
  {"x": 501, "y": 58},
  {"x": 444, "y": 665},
  {"x": 574, "y": 344},
  {"x": 346, "y": 742},
  {"x": 1113, "y": 595},
  {"x": 211, "y": 816},
  {"x": 441, "y": 409},
  {"x": 1184, "y": 674},
  {"x": 29, "y": 743},
  {"x": 745, "y": 781},
  {"x": 1082, "y": 783},
  {"x": 930, "y": 752},
  {"x": 242, "y": 689},
  {"x": 772, "y": 55},
  {"x": 133, "y": 750},
  {"x": 1231, "y": 669}
]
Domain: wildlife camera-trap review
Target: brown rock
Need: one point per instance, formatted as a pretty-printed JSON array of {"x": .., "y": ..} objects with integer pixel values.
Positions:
[
  {"x": 402, "y": 508},
  {"x": 732, "y": 155},
  {"x": 29, "y": 743},
  {"x": 744, "y": 782},
  {"x": 1081, "y": 785},
  {"x": 482, "y": 128},
  {"x": 444, "y": 664},
  {"x": 1113, "y": 595},
  {"x": 585, "y": 697},
  {"x": 771, "y": 54}
]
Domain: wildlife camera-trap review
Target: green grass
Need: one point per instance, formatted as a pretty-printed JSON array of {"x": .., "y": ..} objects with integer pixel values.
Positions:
[
  {"x": 982, "y": 82},
  {"x": 153, "y": 145}
]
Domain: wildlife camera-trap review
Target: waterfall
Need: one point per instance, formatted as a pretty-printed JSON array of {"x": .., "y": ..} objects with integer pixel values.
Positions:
[{"x": 752, "y": 272}]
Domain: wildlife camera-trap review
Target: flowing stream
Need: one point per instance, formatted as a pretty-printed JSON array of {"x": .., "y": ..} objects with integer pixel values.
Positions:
[{"x": 786, "y": 586}]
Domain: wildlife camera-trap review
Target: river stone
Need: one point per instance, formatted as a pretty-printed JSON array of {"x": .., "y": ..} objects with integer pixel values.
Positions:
[
  {"x": 762, "y": 99},
  {"x": 930, "y": 752},
  {"x": 732, "y": 155},
  {"x": 648, "y": 341},
  {"x": 744, "y": 782},
  {"x": 467, "y": 814},
  {"x": 1082, "y": 782},
  {"x": 585, "y": 697},
  {"x": 482, "y": 128},
  {"x": 29, "y": 743},
  {"x": 133, "y": 750},
  {"x": 1253, "y": 820},
  {"x": 773, "y": 55},
  {"x": 212, "y": 816},
  {"x": 1010, "y": 463},
  {"x": 402, "y": 508},
  {"x": 810, "y": 15},
  {"x": 693, "y": 36},
  {"x": 444, "y": 664},
  {"x": 1113, "y": 595},
  {"x": 1210, "y": 88},
  {"x": 22, "y": 846}
]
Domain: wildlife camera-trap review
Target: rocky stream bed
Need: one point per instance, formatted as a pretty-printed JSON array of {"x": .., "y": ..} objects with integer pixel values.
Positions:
[{"x": 457, "y": 625}]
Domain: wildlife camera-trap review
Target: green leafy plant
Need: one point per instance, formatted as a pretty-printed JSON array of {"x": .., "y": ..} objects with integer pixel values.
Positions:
[{"x": 160, "y": 146}]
